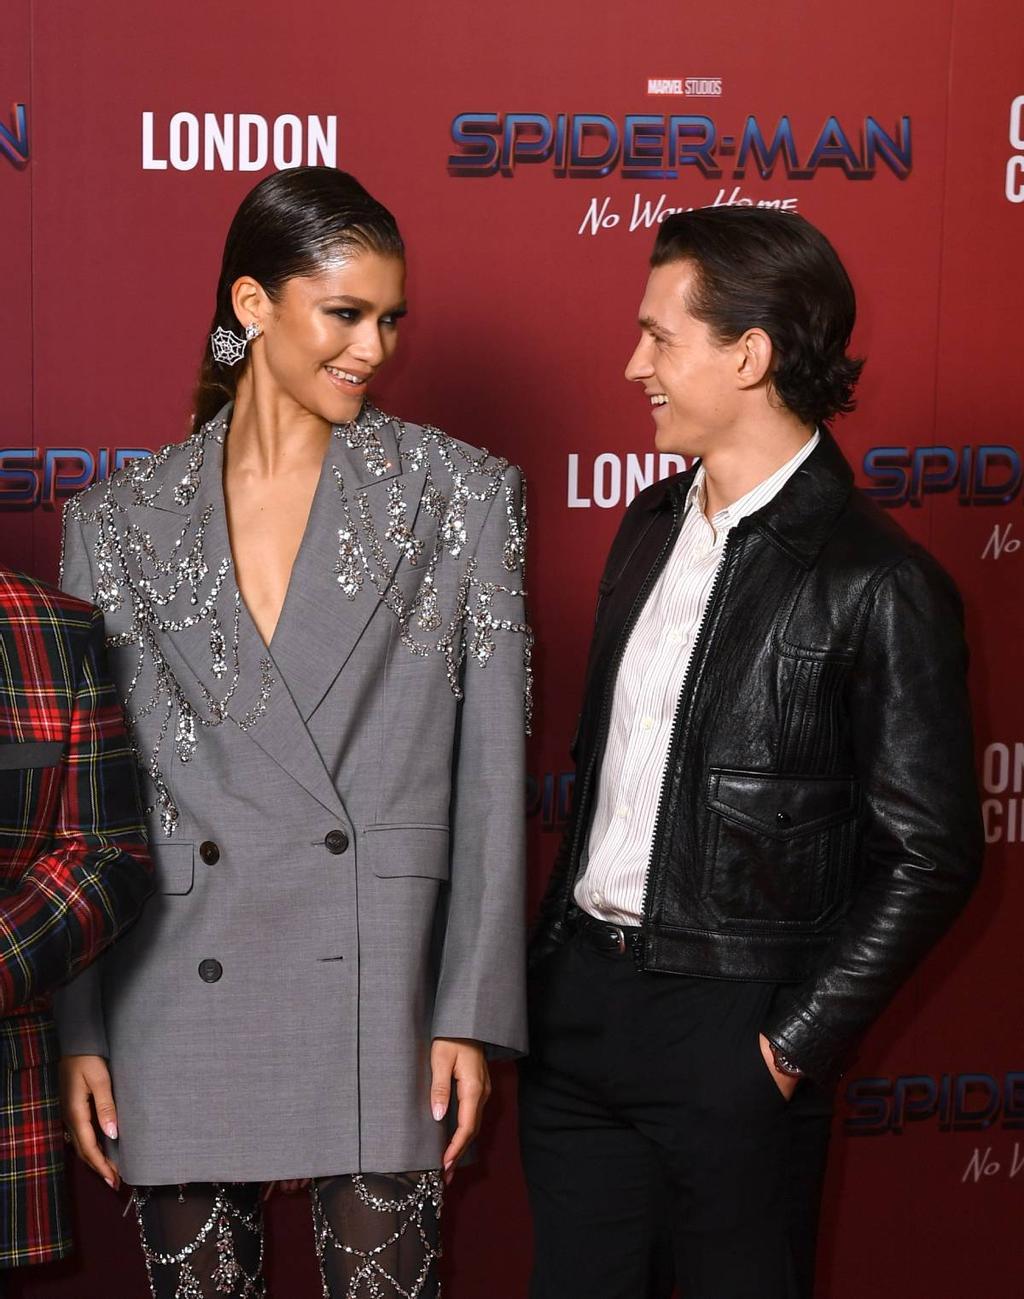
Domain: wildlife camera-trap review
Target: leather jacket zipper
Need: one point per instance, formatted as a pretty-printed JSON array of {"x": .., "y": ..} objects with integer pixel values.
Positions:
[
  {"x": 611, "y": 677},
  {"x": 685, "y": 695}
]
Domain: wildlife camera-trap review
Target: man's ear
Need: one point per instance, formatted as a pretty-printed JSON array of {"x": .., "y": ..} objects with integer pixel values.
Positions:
[{"x": 754, "y": 358}]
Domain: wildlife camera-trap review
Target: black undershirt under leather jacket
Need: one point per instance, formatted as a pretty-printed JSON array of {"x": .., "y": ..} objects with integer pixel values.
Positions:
[{"x": 819, "y": 822}]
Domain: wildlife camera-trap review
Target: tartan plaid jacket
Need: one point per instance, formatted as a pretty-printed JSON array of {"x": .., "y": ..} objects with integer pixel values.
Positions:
[{"x": 74, "y": 870}]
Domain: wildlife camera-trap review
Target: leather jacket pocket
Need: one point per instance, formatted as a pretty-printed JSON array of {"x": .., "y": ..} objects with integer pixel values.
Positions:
[{"x": 779, "y": 848}]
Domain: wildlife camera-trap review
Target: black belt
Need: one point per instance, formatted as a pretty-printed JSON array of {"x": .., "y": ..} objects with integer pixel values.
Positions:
[{"x": 604, "y": 937}]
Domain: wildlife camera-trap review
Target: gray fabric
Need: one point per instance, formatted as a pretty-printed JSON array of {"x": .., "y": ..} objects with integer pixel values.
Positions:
[{"x": 310, "y": 1055}]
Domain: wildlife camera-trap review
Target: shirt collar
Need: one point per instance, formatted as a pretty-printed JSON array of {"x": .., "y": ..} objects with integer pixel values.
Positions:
[{"x": 756, "y": 498}]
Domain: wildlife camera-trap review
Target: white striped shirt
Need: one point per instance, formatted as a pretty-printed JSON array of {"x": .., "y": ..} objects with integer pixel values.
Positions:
[{"x": 647, "y": 690}]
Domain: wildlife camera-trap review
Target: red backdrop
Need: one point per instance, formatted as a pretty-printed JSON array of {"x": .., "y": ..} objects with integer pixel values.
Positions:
[{"x": 522, "y": 320}]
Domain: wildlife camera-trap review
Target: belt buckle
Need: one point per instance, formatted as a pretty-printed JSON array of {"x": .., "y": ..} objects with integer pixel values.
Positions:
[{"x": 619, "y": 938}]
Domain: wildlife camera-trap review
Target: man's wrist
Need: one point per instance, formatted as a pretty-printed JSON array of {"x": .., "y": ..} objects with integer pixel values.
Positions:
[{"x": 783, "y": 1063}]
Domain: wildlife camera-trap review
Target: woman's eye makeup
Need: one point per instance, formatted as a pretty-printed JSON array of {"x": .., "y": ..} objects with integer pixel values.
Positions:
[{"x": 351, "y": 315}]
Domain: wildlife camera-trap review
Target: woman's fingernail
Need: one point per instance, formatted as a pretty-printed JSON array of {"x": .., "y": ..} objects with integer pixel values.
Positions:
[
  {"x": 438, "y": 1111},
  {"x": 111, "y": 1130},
  {"x": 110, "y": 1182}
]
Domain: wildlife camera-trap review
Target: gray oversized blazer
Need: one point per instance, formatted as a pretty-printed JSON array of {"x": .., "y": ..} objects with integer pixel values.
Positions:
[{"x": 336, "y": 820}]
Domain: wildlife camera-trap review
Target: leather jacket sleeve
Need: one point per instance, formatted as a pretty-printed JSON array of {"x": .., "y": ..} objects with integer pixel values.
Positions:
[
  {"x": 548, "y": 931},
  {"x": 922, "y": 838}
]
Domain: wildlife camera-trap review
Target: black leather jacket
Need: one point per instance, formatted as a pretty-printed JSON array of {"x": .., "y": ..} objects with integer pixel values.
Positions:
[{"x": 819, "y": 823}]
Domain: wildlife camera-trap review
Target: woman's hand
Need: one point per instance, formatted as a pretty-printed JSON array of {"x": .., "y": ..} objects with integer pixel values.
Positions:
[
  {"x": 85, "y": 1088},
  {"x": 463, "y": 1060}
]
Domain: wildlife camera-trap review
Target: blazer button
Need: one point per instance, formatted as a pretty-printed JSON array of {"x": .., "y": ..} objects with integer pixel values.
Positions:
[
  {"x": 336, "y": 841},
  {"x": 209, "y": 852},
  {"x": 783, "y": 818},
  {"x": 210, "y": 970}
]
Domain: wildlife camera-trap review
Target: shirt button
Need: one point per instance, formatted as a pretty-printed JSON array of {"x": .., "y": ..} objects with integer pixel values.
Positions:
[
  {"x": 210, "y": 970},
  {"x": 209, "y": 852},
  {"x": 675, "y": 637},
  {"x": 646, "y": 723},
  {"x": 597, "y": 897},
  {"x": 622, "y": 813},
  {"x": 336, "y": 841}
]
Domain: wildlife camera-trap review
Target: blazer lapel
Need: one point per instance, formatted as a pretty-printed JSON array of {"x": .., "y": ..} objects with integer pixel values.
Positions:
[
  {"x": 360, "y": 531},
  {"x": 204, "y": 621},
  {"x": 282, "y": 735},
  {"x": 235, "y": 677}
]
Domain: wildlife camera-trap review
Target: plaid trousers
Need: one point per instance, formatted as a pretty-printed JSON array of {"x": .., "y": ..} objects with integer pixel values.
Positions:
[{"x": 35, "y": 1225}]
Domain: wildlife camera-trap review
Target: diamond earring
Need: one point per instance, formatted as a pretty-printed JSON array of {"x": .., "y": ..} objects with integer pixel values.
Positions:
[{"x": 228, "y": 348}]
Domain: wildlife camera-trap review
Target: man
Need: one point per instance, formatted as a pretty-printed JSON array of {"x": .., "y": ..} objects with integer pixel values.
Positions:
[
  {"x": 74, "y": 871},
  {"x": 775, "y": 812}
]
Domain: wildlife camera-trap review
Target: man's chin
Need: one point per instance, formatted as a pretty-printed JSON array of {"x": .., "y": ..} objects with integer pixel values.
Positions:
[{"x": 673, "y": 441}]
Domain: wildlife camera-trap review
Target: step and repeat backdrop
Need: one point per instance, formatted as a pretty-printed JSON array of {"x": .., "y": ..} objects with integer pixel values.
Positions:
[{"x": 529, "y": 152}]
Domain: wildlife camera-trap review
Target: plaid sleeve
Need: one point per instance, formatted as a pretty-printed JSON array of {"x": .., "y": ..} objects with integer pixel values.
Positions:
[{"x": 75, "y": 898}]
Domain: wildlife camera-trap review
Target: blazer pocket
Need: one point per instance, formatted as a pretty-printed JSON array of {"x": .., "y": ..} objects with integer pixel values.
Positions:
[
  {"x": 174, "y": 867},
  {"x": 395, "y": 851},
  {"x": 779, "y": 847},
  {"x": 20, "y": 754}
]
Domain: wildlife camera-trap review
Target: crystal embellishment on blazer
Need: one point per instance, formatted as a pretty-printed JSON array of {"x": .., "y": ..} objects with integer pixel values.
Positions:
[
  {"x": 471, "y": 623},
  {"x": 135, "y": 585},
  {"x": 146, "y": 594}
]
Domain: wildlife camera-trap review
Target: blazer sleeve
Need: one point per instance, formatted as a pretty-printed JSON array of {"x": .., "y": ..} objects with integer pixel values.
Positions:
[
  {"x": 548, "y": 930},
  {"x": 922, "y": 836},
  {"x": 74, "y": 899},
  {"x": 78, "y": 1006},
  {"x": 481, "y": 990}
]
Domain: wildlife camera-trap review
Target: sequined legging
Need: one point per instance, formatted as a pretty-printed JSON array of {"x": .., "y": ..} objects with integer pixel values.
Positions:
[{"x": 377, "y": 1236}]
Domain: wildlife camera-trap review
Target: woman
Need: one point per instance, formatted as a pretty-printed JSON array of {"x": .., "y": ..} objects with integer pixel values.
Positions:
[{"x": 317, "y": 618}]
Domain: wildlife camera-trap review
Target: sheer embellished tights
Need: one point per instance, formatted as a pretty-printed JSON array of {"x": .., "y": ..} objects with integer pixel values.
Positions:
[{"x": 377, "y": 1236}]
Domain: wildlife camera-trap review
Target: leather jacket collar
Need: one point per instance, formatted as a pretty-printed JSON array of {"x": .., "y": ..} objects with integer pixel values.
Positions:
[{"x": 801, "y": 517}]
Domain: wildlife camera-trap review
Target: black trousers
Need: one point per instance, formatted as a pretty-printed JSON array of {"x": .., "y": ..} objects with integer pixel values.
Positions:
[{"x": 657, "y": 1146}]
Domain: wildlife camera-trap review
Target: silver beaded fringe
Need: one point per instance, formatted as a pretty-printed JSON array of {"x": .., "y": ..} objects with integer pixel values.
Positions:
[
  {"x": 371, "y": 1278},
  {"x": 229, "y": 1277}
]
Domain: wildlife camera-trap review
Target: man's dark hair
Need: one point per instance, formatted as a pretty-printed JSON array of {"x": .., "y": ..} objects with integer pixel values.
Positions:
[{"x": 758, "y": 268}]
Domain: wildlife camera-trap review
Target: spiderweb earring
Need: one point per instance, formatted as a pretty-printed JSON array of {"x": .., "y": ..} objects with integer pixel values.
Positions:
[{"x": 228, "y": 348}]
